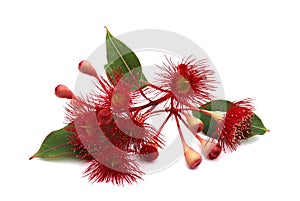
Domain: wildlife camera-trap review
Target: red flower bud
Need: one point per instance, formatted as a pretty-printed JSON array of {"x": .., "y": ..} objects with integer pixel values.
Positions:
[
  {"x": 86, "y": 67},
  {"x": 210, "y": 149},
  {"x": 215, "y": 152},
  {"x": 104, "y": 116},
  {"x": 61, "y": 91},
  {"x": 149, "y": 152}
]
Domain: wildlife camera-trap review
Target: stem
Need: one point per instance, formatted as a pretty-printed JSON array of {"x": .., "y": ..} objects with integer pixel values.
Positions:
[
  {"x": 155, "y": 87},
  {"x": 152, "y": 108},
  {"x": 209, "y": 113},
  {"x": 147, "y": 112},
  {"x": 152, "y": 103},
  {"x": 164, "y": 123},
  {"x": 184, "y": 122},
  {"x": 200, "y": 139},
  {"x": 142, "y": 92},
  {"x": 180, "y": 132},
  {"x": 157, "y": 111}
]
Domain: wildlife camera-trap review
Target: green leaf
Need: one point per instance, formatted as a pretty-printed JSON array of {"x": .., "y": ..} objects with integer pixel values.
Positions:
[
  {"x": 55, "y": 145},
  {"x": 121, "y": 56},
  {"x": 210, "y": 124}
]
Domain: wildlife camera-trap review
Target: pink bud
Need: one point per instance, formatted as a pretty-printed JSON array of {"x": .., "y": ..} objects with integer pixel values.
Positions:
[
  {"x": 86, "y": 67},
  {"x": 210, "y": 149},
  {"x": 61, "y": 91},
  {"x": 195, "y": 124},
  {"x": 192, "y": 158}
]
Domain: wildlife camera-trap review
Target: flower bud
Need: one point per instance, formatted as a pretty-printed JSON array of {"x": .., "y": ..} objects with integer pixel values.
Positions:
[
  {"x": 86, "y": 67},
  {"x": 104, "y": 117},
  {"x": 192, "y": 158},
  {"x": 61, "y": 91},
  {"x": 215, "y": 152},
  {"x": 207, "y": 146},
  {"x": 218, "y": 115},
  {"x": 195, "y": 124},
  {"x": 210, "y": 149},
  {"x": 149, "y": 152}
]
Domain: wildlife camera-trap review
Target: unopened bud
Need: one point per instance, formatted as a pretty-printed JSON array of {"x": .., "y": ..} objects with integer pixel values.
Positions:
[
  {"x": 218, "y": 115},
  {"x": 104, "y": 117},
  {"x": 86, "y": 67},
  {"x": 210, "y": 149},
  {"x": 215, "y": 152},
  {"x": 61, "y": 91},
  {"x": 149, "y": 152},
  {"x": 195, "y": 124},
  {"x": 192, "y": 158}
]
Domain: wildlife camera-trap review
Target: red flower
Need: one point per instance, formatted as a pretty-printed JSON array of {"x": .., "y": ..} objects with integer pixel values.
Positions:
[
  {"x": 190, "y": 82},
  {"x": 108, "y": 135},
  {"x": 119, "y": 171},
  {"x": 131, "y": 133},
  {"x": 236, "y": 126}
]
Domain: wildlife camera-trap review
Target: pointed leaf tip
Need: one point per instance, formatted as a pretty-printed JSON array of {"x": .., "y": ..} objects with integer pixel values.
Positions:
[{"x": 32, "y": 157}]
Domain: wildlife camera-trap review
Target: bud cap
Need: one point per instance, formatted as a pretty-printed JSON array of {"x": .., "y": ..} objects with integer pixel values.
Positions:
[{"x": 61, "y": 91}]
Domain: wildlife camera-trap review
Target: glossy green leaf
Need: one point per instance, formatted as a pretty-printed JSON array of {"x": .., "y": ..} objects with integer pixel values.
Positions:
[
  {"x": 121, "y": 56},
  {"x": 210, "y": 124},
  {"x": 55, "y": 145}
]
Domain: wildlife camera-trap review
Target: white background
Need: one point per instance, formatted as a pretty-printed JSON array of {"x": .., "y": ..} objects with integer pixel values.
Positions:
[{"x": 254, "y": 45}]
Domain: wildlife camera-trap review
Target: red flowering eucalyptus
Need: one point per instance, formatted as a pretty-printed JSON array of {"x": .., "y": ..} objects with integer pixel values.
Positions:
[{"x": 110, "y": 128}]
